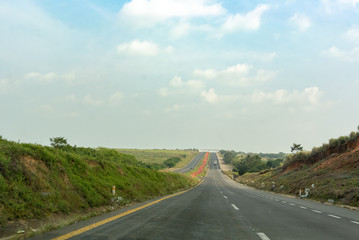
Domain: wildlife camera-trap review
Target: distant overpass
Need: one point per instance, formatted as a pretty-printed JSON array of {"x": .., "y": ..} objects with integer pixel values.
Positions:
[{"x": 208, "y": 150}]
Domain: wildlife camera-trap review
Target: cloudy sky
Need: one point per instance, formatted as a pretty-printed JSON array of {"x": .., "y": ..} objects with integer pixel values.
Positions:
[{"x": 226, "y": 74}]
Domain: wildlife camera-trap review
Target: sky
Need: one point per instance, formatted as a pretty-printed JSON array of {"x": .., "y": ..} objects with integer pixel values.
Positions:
[{"x": 245, "y": 75}]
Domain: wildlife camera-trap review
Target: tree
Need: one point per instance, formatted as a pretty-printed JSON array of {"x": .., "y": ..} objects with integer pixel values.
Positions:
[
  {"x": 251, "y": 163},
  {"x": 229, "y": 156},
  {"x": 296, "y": 148},
  {"x": 59, "y": 142}
]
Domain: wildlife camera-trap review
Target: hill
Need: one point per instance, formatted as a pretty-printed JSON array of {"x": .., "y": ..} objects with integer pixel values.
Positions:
[
  {"x": 330, "y": 172},
  {"x": 39, "y": 182}
]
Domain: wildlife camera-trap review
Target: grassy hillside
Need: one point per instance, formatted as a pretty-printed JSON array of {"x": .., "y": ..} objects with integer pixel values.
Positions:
[
  {"x": 38, "y": 181},
  {"x": 159, "y": 156},
  {"x": 329, "y": 172}
]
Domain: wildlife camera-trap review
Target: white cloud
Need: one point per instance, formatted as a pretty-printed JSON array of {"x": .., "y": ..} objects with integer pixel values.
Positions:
[
  {"x": 207, "y": 73},
  {"x": 248, "y": 21},
  {"x": 169, "y": 49},
  {"x": 332, "y": 6},
  {"x": 88, "y": 100},
  {"x": 175, "y": 108},
  {"x": 238, "y": 75},
  {"x": 4, "y": 86},
  {"x": 50, "y": 77},
  {"x": 301, "y": 21},
  {"x": 28, "y": 14},
  {"x": 116, "y": 98},
  {"x": 209, "y": 96},
  {"x": 176, "y": 82},
  {"x": 163, "y": 92},
  {"x": 136, "y": 47},
  {"x": 41, "y": 78},
  {"x": 181, "y": 30},
  {"x": 185, "y": 28},
  {"x": 307, "y": 98},
  {"x": 350, "y": 55},
  {"x": 179, "y": 87},
  {"x": 150, "y": 12},
  {"x": 353, "y": 34}
]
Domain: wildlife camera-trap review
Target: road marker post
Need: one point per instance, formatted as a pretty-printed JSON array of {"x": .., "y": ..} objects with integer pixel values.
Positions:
[{"x": 113, "y": 190}]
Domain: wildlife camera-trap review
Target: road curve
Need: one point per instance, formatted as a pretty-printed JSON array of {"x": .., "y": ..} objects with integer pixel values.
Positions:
[
  {"x": 192, "y": 164},
  {"x": 220, "y": 208}
]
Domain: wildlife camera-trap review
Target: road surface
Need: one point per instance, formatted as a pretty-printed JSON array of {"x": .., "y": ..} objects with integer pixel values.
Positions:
[
  {"x": 192, "y": 164},
  {"x": 220, "y": 208}
]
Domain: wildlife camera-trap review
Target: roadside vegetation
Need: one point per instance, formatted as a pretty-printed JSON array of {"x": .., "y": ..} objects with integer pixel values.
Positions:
[
  {"x": 39, "y": 181},
  {"x": 160, "y": 158},
  {"x": 328, "y": 173},
  {"x": 249, "y": 163}
]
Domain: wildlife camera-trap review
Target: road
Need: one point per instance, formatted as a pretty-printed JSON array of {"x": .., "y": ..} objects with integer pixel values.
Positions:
[
  {"x": 220, "y": 208},
  {"x": 192, "y": 164}
]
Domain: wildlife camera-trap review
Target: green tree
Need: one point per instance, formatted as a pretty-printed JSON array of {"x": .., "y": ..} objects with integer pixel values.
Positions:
[
  {"x": 296, "y": 148},
  {"x": 229, "y": 156},
  {"x": 251, "y": 163},
  {"x": 59, "y": 142}
]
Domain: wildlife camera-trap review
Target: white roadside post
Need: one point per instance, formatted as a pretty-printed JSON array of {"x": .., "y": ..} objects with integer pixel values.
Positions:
[{"x": 113, "y": 190}]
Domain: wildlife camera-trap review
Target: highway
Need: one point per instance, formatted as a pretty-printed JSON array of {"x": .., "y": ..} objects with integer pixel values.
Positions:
[
  {"x": 220, "y": 208},
  {"x": 192, "y": 164}
]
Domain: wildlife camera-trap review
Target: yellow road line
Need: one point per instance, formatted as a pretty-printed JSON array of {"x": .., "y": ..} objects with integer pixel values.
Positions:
[{"x": 107, "y": 220}]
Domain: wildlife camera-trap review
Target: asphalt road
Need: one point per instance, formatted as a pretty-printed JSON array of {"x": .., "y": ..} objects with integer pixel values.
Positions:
[
  {"x": 222, "y": 209},
  {"x": 192, "y": 164}
]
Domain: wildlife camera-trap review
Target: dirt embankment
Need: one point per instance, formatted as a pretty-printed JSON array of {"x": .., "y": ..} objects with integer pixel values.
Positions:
[
  {"x": 334, "y": 177},
  {"x": 342, "y": 155},
  {"x": 346, "y": 160}
]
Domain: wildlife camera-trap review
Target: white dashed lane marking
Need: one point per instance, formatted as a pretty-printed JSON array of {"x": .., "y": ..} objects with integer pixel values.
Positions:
[
  {"x": 354, "y": 222},
  {"x": 302, "y": 207},
  {"x": 292, "y": 204},
  {"x": 333, "y": 216},
  {"x": 235, "y": 207},
  {"x": 225, "y": 196},
  {"x": 316, "y": 211},
  {"x": 263, "y": 236}
]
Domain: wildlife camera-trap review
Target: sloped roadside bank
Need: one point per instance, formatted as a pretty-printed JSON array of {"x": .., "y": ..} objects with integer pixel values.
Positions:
[
  {"x": 333, "y": 178},
  {"x": 39, "y": 184}
]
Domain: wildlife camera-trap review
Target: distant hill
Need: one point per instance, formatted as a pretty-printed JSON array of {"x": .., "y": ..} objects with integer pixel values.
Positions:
[{"x": 329, "y": 172}]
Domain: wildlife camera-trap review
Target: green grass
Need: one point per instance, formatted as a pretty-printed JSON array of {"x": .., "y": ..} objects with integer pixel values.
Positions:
[
  {"x": 38, "y": 181},
  {"x": 159, "y": 156}
]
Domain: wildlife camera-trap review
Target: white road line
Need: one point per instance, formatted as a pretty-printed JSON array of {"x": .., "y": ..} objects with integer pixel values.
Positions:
[
  {"x": 263, "y": 236},
  {"x": 271, "y": 198},
  {"x": 276, "y": 200},
  {"x": 354, "y": 222},
  {"x": 316, "y": 211},
  {"x": 292, "y": 204},
  {"x": 330, "y": 215},
  {"x": 284, "y": 202},
  {"x": 302, "y": 207},
  {"x": 235, "y": 207},
  {"x": 225, "y": 196}
]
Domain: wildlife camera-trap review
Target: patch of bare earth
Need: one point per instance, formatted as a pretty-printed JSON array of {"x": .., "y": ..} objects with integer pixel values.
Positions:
[{"x": 348, "y": 159}]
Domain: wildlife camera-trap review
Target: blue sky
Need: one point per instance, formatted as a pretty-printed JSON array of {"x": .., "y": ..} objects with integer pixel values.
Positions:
[{"x": 243, "y": 75}]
